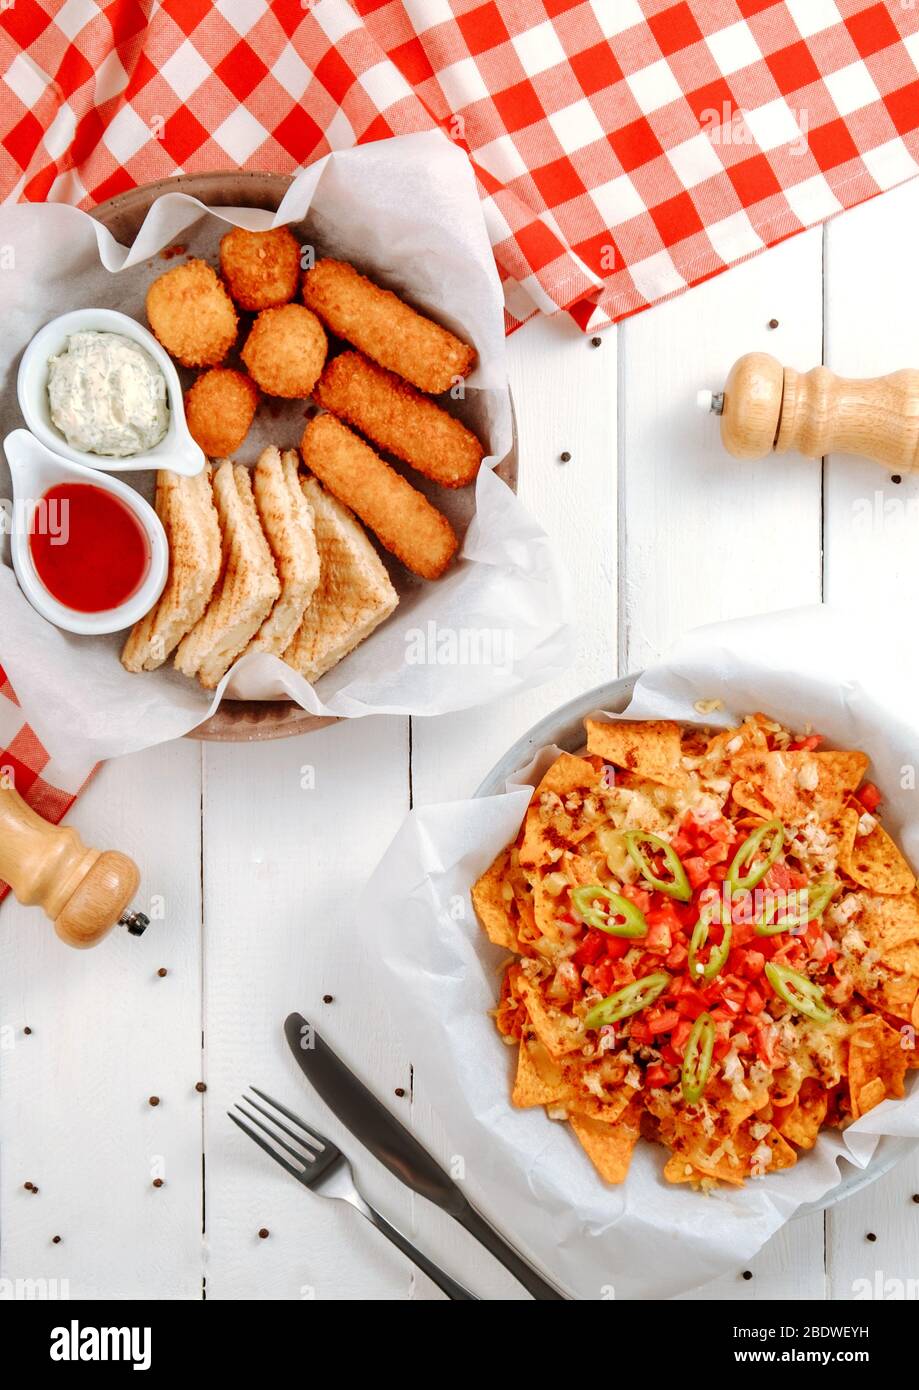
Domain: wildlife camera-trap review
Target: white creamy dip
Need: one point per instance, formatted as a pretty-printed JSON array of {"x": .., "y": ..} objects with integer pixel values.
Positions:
[{"x": 107, "y": 395}]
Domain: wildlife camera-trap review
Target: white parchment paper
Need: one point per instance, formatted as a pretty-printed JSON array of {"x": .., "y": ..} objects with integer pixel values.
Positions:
[
  {"x": 440, "y": 976},
  {"x": 404, "y": 210}
]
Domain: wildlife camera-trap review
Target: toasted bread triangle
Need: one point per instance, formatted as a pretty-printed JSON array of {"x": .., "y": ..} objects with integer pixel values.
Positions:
[
  {"x": 186, "y": 508},
  {"x": 287, "y": 520},
  {"x": 354, "y": 594},
  {"x": 248, "y": 587}
]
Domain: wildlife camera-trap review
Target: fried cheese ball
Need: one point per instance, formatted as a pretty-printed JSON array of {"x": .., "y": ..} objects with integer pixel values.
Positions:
[
  {"x": 262, "y": 269},
  {"x": 286, "y": 351},
  {"x": 192, "y": 315},
  {"x": 219, "y": 409}
]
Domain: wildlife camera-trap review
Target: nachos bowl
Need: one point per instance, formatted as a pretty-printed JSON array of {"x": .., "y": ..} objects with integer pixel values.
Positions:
[{"x": 608, "y": 1132}]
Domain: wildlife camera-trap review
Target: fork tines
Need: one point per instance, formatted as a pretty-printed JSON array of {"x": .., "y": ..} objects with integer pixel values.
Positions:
[{"x": 313, "y": 1154}]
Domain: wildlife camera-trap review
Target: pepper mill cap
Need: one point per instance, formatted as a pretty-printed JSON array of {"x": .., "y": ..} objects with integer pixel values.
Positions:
[{"x": 752, "y": 405}]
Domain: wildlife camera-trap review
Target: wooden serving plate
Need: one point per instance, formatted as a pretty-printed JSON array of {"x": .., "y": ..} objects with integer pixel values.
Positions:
[{"x": 236, "y": 721}]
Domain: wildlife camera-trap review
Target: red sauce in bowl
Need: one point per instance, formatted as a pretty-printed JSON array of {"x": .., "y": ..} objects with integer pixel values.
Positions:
[{"x": 88, "y": 548}]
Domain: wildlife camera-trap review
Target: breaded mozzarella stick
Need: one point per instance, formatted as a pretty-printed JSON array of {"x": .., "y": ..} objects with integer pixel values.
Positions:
[
  {"x": 404, "y": 520},
  {"x": 399, "y": 419},
  {"x": 385, "y": 328}
]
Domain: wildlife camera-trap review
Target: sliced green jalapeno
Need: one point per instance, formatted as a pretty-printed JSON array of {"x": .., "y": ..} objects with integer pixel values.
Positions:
[
  {"x": 627, "y": 1001},
  {"x": 677, "y": 886},
  {"x": 740, "y": 882},
  {"x": 802, "y": 994},
  {"x": 697, "y": 1059},
  {"x": 817, "y": 899},
  {"x": 718, "y": 954},
  {"x": 633, "y": 923}
]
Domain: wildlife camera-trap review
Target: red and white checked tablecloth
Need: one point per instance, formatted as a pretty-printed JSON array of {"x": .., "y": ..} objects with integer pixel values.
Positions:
[
  {"x": 625, "y": 149},
  {"x": 25, "y": 766}
]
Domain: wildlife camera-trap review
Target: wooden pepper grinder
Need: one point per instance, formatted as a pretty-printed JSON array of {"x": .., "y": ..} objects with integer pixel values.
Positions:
[
  {"x": 85, "y": 892},
  {"x": 767, "y": 408}
]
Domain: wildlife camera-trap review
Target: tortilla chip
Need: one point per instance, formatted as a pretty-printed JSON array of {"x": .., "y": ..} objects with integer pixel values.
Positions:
[
  {"x": 553, "y": 1029},
  {"x": 887, "y": 923},
  {"x": 783, "y": 780},
  {"x": 876, "y": 1060},
  {"x": 651, "y": 747},
  {"x": 539, "y": 1079},
  {"x": 746, "y": 796},
  {"x": 609, "y": 1147},
  {"x": 870, "y": 1096},
  {"x": 749, "y": 736},
  {"x": 801, "y": 1124},
  {"x": 873, "y": 861},
  {"x": 549, "y": 826},
  {"x": 492, "y": 907}
]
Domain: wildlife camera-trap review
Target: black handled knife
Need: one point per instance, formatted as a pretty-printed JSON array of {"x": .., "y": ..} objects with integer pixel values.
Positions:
[{"x": 397, "y": 1148}]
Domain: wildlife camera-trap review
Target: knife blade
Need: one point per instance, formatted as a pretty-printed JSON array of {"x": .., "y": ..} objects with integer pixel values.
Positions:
[{"x": 398, "y": 1149}]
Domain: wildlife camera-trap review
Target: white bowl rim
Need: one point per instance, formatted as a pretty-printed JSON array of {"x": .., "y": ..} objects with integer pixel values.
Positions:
[
  {"x": 564, "y": 727},
  {"x": 43, "y": 601},
  {"x": 176, "y": 445}
]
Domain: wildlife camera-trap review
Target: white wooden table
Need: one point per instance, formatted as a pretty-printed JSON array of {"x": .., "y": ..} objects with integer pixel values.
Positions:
[{"x": 248, "y": 874}]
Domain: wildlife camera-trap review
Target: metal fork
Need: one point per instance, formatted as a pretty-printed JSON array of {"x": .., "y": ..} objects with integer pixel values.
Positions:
[{"x": 322, "y": 1167}]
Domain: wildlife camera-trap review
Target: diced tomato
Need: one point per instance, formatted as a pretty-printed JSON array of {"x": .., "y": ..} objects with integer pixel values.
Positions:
[
  {"x": 681, "y": 844},
  {"x": 639, "y": 896},
  {"x": 806, "y": 745},
  {"x": 623, "y": 974},
  {"x": 658, "y": 1075},
  {"x": 601, "y": 976},
  {"x": 590, "y": 949},
  {"x": 659, "y": 939},
  {"x": 691, "y": 1004},
  {"x": 762, "y": 1045},
  {"x": 753, "y": 964},
  {"x": 744, "y": 932},
  {"x": 869, "y": 796},
  {"x": 677, "y": 957},
  {"x": 718, "y": 873},
  {"x": 778, "y": 879},
  {"x": 755, "y": 1000},
  {"x": 665, "y": 913},
  {"x": 640, "y": 1031},
  {"x": 717, "y": 852},
  {"x": 679, "y": 1038},
  {"x": 688, "y": 913},
  {"x": 670, "y": 1054},
  {"x": 663, "y": 1022},
  {"x": 617, "y": 946},
  {"x": 723, "y": 1015},
  {"x": 696, "y": 871},
  {"x": 720, "y": 829}
]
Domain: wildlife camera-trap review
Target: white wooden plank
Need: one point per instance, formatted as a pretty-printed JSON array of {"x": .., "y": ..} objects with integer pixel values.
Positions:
[
  {"x": 789, "y": 1267},
  {"x": 107, "y": 1033},
  {"x": 886, "y": 1267},
  {"x": 872, "y": 310},
  {"x": 292, "y": 831},
  {"x": 565, "y": 394},
  {"x": 872, "y": 559},
  {"x": 705, "y": 536}
]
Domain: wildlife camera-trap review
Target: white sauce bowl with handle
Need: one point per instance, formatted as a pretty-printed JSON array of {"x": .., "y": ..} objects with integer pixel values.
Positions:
[
  {"x": 176, "y": 451},
  {"x": 34, "y": 470}
]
